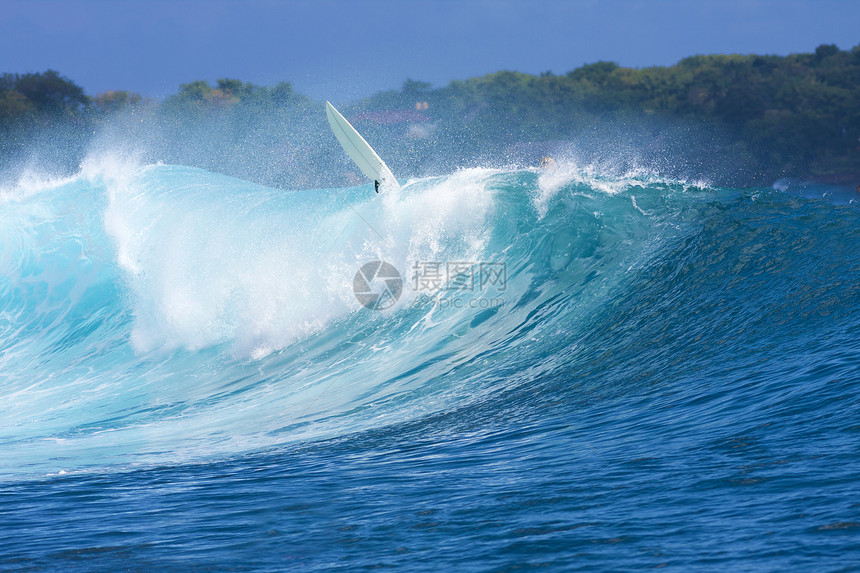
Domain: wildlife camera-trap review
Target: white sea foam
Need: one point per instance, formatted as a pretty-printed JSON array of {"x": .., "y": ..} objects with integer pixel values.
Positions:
[{"x": 212, "y": 260}]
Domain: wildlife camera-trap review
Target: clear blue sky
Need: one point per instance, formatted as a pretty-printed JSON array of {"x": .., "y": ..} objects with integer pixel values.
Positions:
[{"x": 345, "y": 49}]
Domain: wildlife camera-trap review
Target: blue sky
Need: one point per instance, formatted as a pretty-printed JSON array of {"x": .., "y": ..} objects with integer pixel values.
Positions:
[{"x": 342, "y": 50}]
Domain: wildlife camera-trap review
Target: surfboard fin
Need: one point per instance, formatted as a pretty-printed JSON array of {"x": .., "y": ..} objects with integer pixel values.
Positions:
[{"x": 376, "y": 185}]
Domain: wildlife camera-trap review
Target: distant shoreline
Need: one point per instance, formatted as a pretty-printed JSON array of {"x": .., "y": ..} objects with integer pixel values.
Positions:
[{"x": 741, "y": 118}]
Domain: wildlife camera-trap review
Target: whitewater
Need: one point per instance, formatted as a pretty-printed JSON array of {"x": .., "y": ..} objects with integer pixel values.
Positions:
[{"x": 583, "y": 367}]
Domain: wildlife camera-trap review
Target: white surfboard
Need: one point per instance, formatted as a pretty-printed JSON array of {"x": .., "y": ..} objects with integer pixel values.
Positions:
[{"x": 359, "y": 150}]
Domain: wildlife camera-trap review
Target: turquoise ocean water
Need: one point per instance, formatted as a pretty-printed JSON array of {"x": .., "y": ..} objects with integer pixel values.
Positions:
[{"x": 579, "y": 370}]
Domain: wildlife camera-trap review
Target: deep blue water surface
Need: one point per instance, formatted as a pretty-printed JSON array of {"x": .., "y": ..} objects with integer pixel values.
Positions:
[{"x": 665, "y": 374}]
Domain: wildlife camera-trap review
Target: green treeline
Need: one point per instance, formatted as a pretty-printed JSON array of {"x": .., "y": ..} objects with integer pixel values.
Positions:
[{"x": 797, "y": 115}]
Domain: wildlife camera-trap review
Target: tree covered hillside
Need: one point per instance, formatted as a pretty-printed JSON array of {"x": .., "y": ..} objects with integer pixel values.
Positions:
[{"x": 796, "y": 115}]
